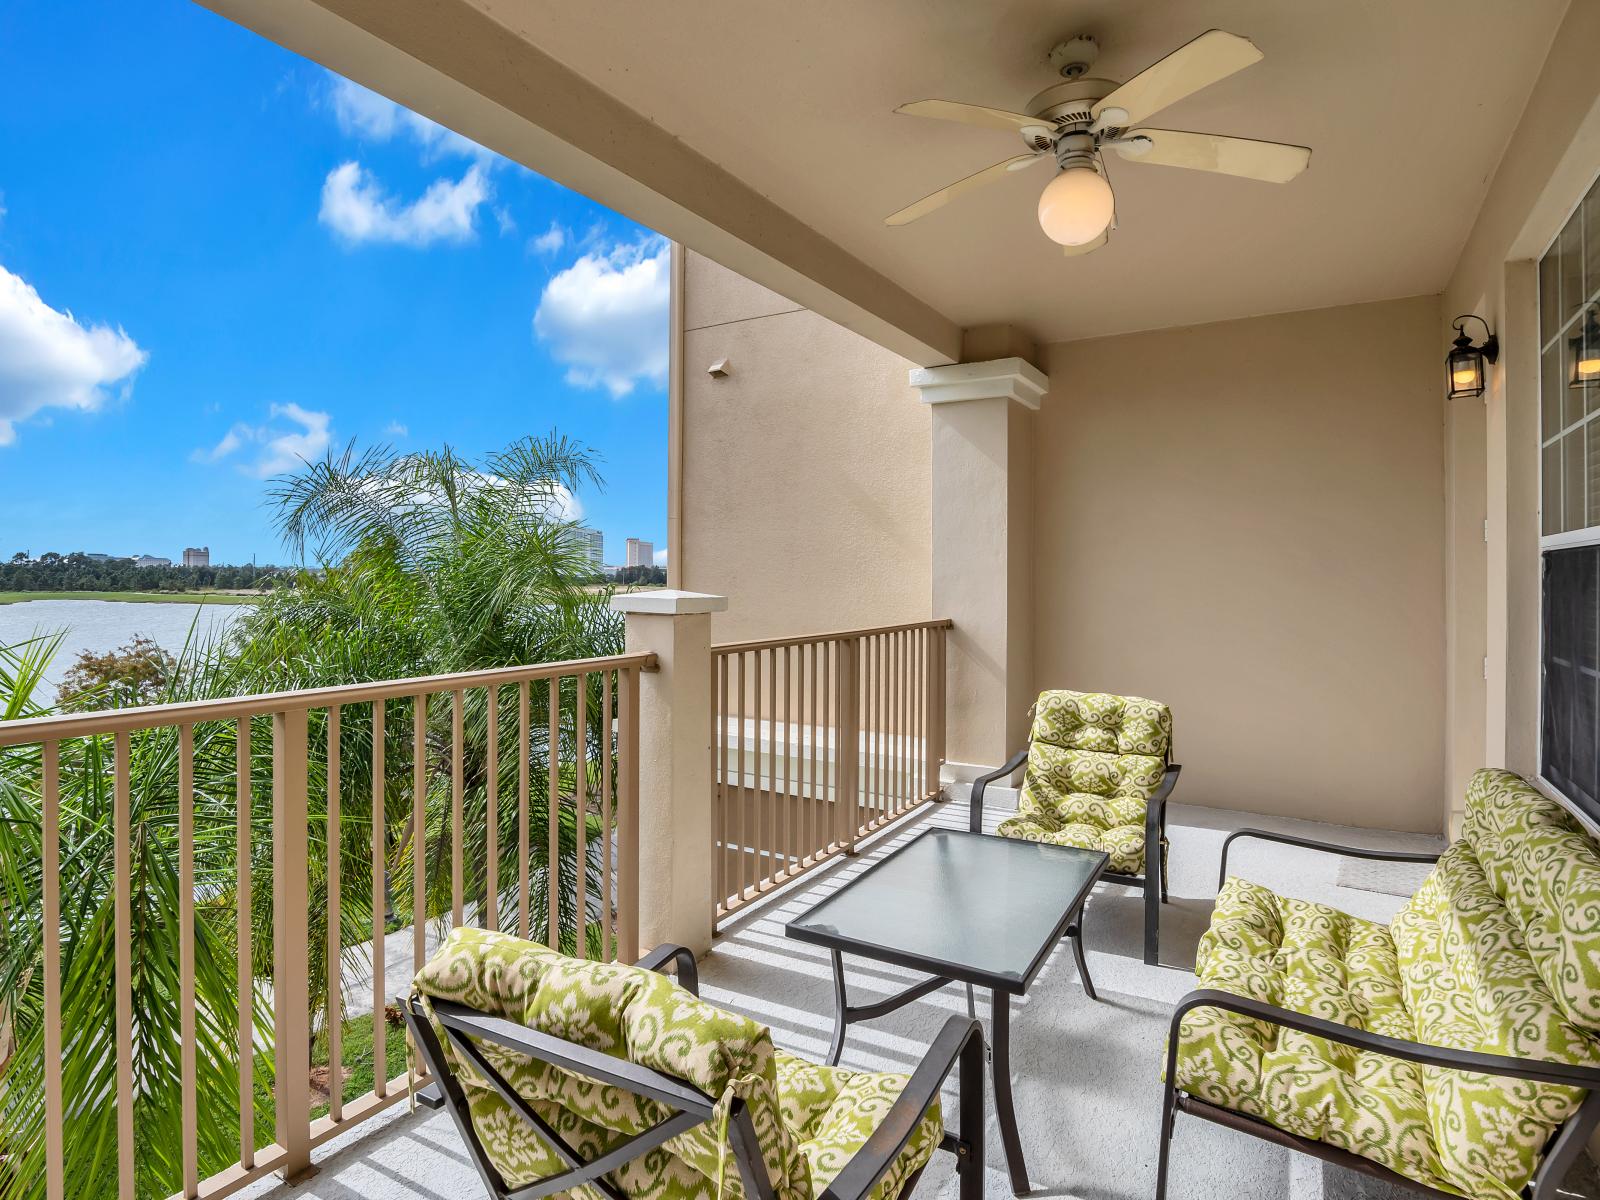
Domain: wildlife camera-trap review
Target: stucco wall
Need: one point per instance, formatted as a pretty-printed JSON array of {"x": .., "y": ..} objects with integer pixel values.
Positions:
[
  {"x": 805, "y": 470},
  {"x": 1493, "y": 469},
  {"x": 1244, "y": 520}
]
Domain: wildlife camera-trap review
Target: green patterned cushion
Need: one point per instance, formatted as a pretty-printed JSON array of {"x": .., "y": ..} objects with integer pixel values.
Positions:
[
  {"x": 1322, "y": 962},
  {"x": 1093, "y": 761},
  {"x": 1475, "y": 961},
  {"x": 646, "y": 1018},
  {"x": 832, "y": 1112},
  {"x": 1546, "y": 869}
]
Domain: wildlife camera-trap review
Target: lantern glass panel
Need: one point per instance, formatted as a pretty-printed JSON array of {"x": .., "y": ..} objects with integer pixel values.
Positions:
[{"x": 1465, "y": 369}]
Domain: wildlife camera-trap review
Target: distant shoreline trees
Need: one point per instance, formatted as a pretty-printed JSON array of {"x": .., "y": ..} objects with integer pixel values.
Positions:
[{"x": 80, "y": 573}]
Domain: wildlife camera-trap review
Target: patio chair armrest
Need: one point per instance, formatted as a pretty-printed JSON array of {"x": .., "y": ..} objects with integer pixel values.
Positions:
[
  {"x": 870, "y": 1163},
  {"x": 668, "y": 952},
  {"x": 1155, "y": 808},
  {"x": 983, "y": 781},
  {"x": 1505, "y": 1066},
  {"x": 1287, "y": 839}
]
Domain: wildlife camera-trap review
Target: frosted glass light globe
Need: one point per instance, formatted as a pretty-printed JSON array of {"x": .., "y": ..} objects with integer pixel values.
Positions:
[{"x": 1076, "y": 207}]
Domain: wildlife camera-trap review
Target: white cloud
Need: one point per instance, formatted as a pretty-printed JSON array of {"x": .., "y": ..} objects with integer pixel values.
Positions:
[
  {"x": 281, "y": 448},
  {"x": 551, "y": 240},
  {"x": 661, "y": 558},
  {"x": 565, "y": 506},
  {"x": 507, "y": 222},
  {"x": 365, "y": 114},
  {"x": 395, "y": 429},
  {"x": 231, "y": 441},
  {"x": 48, "y": 359},
  {"x": 561, "y": 504},
  {"x": 605, "y": 317},
  {"x": 355, "y": 206},
  {"x": 288, "y": 451}
]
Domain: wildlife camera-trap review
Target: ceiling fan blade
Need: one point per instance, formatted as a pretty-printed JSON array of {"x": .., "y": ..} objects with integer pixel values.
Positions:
[
  {"x": 1212, "y": 56},
  {"x": 1087, "y": 247},
  {"x": 945, "y": 194},
  {"x": 1273, "y": 162},
  {"x": 972, "y": 114}
]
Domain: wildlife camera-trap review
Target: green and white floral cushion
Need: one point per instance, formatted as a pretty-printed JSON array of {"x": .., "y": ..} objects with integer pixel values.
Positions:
[
  {"x": 1499, "y": 952},
  {"x": 1093, "y": 761},
  {"x": 809, "y": 1120}
]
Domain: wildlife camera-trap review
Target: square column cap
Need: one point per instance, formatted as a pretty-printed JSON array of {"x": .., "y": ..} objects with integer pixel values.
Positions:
[
  {"x": 668, "y": 601},
  {"x": 1010, "y": 378}
]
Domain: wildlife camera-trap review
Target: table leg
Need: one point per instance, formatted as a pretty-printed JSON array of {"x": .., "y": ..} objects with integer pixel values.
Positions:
[
  {"x": 1075, "y": 933},
  {"x": 844, "y": 1015},
  {"x": 1000, "y": 1066},
  {"x": 840, "y": 1010}
]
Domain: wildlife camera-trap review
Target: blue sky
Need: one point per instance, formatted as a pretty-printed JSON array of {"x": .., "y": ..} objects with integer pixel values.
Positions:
[{"x": 216, "y": 257}]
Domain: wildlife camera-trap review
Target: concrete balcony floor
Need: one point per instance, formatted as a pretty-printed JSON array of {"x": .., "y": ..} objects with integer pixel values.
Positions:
[{"x": 1086, "y": 1074}]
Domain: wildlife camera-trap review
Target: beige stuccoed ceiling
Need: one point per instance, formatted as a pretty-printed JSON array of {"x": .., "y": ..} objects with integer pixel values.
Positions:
[{"x": 1407, "y": 105}]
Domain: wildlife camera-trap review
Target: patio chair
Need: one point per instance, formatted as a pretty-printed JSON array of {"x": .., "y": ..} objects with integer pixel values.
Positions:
[
  {"x": 1099, "y": 775},
  {"x": 604, "y": 1080},
  {"x": 1454, "y": 1051}
]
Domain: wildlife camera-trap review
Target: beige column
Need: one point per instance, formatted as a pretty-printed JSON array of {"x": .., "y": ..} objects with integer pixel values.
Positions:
[
  {"x": 675, "y": 785},
  {"x": 982, "y": 507}
]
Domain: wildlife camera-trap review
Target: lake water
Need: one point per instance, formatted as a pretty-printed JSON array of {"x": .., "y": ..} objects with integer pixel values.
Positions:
[{"x": 102, "y": 625}]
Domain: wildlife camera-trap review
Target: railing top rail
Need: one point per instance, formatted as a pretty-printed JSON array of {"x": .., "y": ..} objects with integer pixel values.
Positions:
[
  {"x": 157, "y": 716},
  {"x": 837, "y": 636}
]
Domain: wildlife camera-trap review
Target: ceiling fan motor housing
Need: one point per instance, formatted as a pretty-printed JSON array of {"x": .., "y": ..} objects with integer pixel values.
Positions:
[{"x": 1070, "y": 102}]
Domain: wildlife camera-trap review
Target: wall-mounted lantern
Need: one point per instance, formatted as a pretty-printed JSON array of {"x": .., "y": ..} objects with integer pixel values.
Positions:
[
  {"x": 1584, "y": 350},
  {"x": 1464, "y": 366}
]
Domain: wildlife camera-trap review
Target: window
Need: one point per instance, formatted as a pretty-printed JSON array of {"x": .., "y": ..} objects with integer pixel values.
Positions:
[{"x": 1569, "y": 443}]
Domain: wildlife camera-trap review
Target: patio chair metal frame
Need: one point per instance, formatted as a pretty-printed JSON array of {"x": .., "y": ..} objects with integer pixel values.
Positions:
[
  {"x": 1564, "y": 1147},
  {"x": 959, "y": 1046},
  {"x": 1153, "y": 883}
]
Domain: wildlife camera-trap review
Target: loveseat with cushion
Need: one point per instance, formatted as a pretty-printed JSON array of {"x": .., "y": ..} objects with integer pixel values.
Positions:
[
  {"x": 606, "y": 1081},
  {"x": 1099, "y": 773},
  {"x": 1455, "y": 1049}
]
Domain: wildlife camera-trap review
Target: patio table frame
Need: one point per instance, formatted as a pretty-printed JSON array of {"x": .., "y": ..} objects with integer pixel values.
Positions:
[{"x": 946, "y": 970}]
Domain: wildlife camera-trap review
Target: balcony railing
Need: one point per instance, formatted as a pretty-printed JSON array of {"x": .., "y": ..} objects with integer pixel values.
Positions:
[
  {"x": 818, "y": 741},
  {"x": 504, "y": 798}
]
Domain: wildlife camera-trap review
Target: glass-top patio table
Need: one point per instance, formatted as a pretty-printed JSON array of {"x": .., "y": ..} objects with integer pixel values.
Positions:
[{"x": 965, "y": 907}]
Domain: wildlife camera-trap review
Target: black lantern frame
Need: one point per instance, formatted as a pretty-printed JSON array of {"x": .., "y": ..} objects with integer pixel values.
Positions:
[
  {"x": 1464, "y": 368},
  {"x": 1583, "y": 348}
]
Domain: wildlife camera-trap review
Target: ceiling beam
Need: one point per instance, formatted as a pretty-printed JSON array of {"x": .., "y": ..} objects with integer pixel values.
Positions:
[{"x": 453, "y": 63}]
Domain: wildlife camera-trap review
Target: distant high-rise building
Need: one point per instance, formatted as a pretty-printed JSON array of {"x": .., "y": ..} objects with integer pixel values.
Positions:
[
  {"x": 150, "y": 560},
  {"x": 640, "y": 553},
  {"x": 594, "y": 543},
  {"x": 197, "y": 556}
]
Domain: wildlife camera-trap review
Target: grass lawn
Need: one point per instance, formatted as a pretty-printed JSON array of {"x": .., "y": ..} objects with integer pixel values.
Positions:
[
  {"x": 356, "y": 1055},
  {"x": 132, "y": 597}
]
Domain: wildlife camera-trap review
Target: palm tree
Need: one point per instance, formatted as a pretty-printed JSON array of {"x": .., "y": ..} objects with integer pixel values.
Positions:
[
  {"x": 425, "y": 564},
  {"x": 87, "y": 934}
]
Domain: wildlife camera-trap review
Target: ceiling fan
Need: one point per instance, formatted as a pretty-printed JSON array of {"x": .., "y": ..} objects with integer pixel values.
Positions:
[{"x": 1071, "y": 124}]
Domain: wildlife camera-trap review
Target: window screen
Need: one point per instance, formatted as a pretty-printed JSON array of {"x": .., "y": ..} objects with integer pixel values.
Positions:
[{"x": 1572, "y": 674}]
